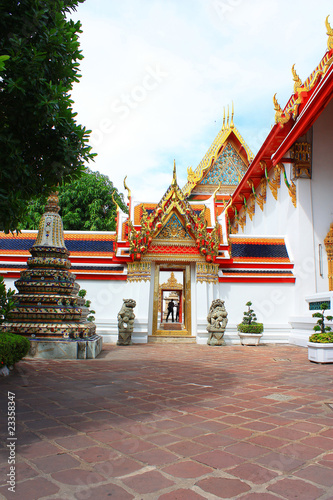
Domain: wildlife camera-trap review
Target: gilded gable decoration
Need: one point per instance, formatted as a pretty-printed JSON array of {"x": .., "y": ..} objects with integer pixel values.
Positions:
[
  {"x": 280, "y": 116},
  {"x": 301, "y": 154},
  {"x": 250, "y": 205},
  {"x": 274, "y": 182}
]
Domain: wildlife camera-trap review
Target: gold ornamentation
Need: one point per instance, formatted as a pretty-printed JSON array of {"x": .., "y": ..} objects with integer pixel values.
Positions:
[
  {"x": 275, "y": 182},
  {"x": 280, "y": 116},
  {"x": 251, "y": 203},
  {"x": 329, "y": 33},
  {"x": 207, "y": 273},
  {"x": 301, "y": 153},
  {"x": 328, "y": 241},
  {"x": 242, "y": 218},
  {"x": 297, "y": 81},
  {"x": 193, "y": 177},
  {"x": 290, "y": 185},
  {"x": 138, "y": 271},
  {"x": 126, "y": 187},
  {"x": 261, "y": 194}
]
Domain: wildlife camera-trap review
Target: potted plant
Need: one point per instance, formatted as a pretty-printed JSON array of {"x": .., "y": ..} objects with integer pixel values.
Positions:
[
  {"x": 249, "y": 331},
  {"x": 320, "y": 345}
]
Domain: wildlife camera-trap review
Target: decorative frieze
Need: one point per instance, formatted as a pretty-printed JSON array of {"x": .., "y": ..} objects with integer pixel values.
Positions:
[
  {"x": 301, "y": 154},
  {"x": 261, "y": 193},
  {"x": 207, "y": 272},
  {"x": 139, "y": 271}
]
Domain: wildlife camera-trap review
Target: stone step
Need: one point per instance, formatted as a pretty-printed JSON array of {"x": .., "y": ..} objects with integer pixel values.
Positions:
[{"x": 171, "y": 339}]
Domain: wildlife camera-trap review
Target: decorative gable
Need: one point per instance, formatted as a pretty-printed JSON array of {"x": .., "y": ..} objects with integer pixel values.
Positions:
[
  {"x": 174, "y": 229},
  {"x": 228, "y": 169}
]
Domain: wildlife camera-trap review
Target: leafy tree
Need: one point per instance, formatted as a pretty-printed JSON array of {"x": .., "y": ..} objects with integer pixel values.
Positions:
[
  {"x": 86, "y": 204},
  {"x": 320, "y": 326},
  {"x": 41, "y": 145},
  {"x": 249, "y": 317}
]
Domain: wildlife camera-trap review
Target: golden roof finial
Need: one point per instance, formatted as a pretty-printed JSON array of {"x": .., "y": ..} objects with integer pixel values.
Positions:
[
  {"x": 277, "y": 106},
  {"x": 298, "y": 82},
  {"x": 126, "y": 187},
  {"x": 329, "y": 33},
  {"x": 232, "y": 115},
  {"x": 217, "y": 190},
  {"x": 228, "y": 119},
  {"x": 114, "y": 201},
  {"x": 223, "y": 127},
  {"x": 52, "y": 204},
  {"x": 174, "y": 177}
]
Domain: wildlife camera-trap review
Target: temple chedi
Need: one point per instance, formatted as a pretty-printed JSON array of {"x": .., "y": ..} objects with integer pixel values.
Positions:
[{"x": 47, "y": 306}]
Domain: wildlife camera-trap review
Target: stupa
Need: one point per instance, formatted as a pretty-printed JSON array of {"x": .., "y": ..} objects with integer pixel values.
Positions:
[{"x": 47, "y": 308}]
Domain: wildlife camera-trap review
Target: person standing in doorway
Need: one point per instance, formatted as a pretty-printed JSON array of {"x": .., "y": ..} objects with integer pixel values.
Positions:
[{"x": 171, "y": 305}]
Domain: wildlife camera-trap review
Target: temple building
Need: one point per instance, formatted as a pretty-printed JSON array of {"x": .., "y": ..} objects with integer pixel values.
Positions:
[{"x": 243, "y": 228}]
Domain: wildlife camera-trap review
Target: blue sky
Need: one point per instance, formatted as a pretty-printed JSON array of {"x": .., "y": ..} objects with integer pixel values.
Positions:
[{"x": 156, "y": 75}]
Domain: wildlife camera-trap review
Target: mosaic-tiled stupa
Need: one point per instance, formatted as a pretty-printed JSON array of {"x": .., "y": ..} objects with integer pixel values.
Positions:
[{"x": 47, "y": 305}]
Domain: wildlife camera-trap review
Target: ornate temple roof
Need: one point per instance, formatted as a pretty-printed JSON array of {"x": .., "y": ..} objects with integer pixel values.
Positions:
[
  {"x": 293, "y": 121},
  {"x": 225, "y": 162}
]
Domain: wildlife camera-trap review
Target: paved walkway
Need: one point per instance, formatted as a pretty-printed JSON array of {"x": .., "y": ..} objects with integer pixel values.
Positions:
[{"x": 167, "y": 422}]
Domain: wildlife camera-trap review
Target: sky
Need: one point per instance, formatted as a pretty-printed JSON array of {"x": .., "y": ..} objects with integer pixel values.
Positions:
[{"x": 157, "y": 74}]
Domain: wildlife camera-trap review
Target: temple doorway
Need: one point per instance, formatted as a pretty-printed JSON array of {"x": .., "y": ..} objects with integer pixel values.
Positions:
[{"x": 172, "y": 300}]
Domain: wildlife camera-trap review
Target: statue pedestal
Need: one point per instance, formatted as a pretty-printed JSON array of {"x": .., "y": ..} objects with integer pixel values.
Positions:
[{"x": 66, "y": 349}]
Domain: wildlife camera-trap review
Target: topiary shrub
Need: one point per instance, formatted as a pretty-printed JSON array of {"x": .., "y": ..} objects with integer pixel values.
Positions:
[
  {"x": 325, "y": 334},
  {"x": 253, "y": 328},
  {"x": 249, "y": 323},
  {"x": 12, "y": 348},
  {"x": 82, "y": 293}
]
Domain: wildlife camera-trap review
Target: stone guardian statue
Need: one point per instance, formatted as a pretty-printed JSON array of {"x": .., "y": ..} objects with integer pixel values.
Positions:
[
  {"x": 126, "y": 322},
  {"x": 217, "y": 321}
]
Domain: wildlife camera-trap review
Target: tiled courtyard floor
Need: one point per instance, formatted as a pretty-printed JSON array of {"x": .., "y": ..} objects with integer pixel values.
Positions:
[{"x": 172, "y": 421}]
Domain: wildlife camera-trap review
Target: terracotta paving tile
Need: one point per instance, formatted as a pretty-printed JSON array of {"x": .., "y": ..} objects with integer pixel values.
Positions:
[
  {"x": 60, "y": 431},
  {"x": 328, "y": 433},
  {"x": 103, "y": 492},
  {"x": 258, "y": 425},
  {"x": 214, "y": 440},
  {"x": 187, "y": 448},
  {"x": 259, "y": 496},
  {"x": 40, "y": 449},
  {"x": 253, "y": 414},
  {"x": 188, "y": 432},
  {"x": 218, "y": 459},
  {"x": 294, "y": 488},
  {"x": 252, "y": 472},
  {"x": 234, "y": 420},
  {"x": 236, "y": 433},
  {"x": 118, "y": 466},
  {"x": 107, "y": 435},
  {"x": 32, "y": 489},
  {"x": 211, "y": 425},
  {"x": 280, "y": 462},
  {"x": 162, "y": 439},
  {"x": 148, "y": 482},
  {"x": 75, "y": 442},
  {"x": 319, "y": 442},
  {"x": 287, "y": 433},
  {"x": 223, "y": 488},
  {"x": 187, "y": 469},
  {"x": 301, "y": 451},
  {"x": 188, "y": 419},
  {"x": 246, "y": 450},
  {"x": 308, "y": 427},
  {"x": 95, "y": 454},
  {"x": 54, "y": 463},
  {"x": 181, "y": 495},
  {"x": 320, "y": 475},
  {"x": 156, "y": 457},
  {"x": 230, "y": 409},
  {"x": 268, "y": 441},
  {"x": 166, "y": 424},
  {"x": 131, "y": 445}
]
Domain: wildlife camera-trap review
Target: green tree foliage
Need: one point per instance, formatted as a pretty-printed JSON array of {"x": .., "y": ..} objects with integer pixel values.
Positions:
[
  {"x": 85, "y": 205},
  {"x": 41, "y": 145},
  {"x": 249, "y": 315}
]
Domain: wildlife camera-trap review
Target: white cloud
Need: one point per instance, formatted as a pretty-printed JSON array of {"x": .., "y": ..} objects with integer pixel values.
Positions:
[{"x": 157, "y": 74}]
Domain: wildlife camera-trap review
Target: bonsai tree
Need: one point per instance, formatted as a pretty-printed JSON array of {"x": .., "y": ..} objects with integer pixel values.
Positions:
[
  {"x": 325, "y": 334},
  {"x": 249, "y": 322}
]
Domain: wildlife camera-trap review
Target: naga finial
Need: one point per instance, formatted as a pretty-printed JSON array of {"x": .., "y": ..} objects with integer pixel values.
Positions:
[
  {"x": 114, "y": 201},
  {"x": 277, "y": 106},
  {"x": 329, "y": 33},
  {"x": 174, "y": 177},
  {"x": 232, "y": 115},
  {"x": 126, "y": 187},
  {"x": 298, "y": 82}
]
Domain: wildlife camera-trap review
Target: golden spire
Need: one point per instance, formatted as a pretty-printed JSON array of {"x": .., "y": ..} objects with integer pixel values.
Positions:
[
  {"x": 298, "y": 82},
  {"x": 228, "y": 119},
  {"x": 52, "y": 204},
  {"x": 232, "y": 115},
  {"x": 174, "y": 177},
  {"x": 329, "y": 33},
  {"x": 223, "y": 127},
  {"x": 126, "y": 187}
]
